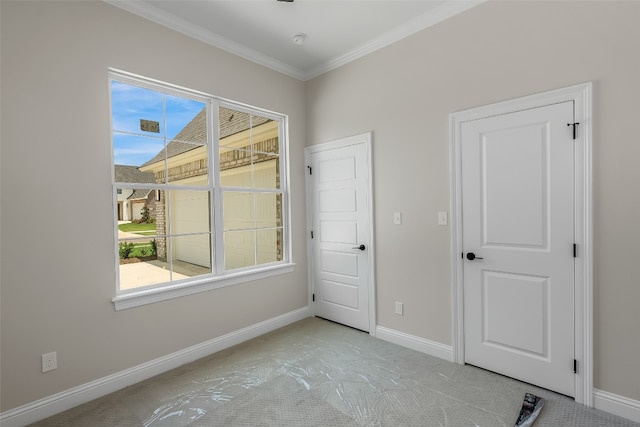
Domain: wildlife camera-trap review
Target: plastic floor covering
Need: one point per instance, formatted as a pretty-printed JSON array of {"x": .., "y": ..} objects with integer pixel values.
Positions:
[{"x": 317, "y": 373}]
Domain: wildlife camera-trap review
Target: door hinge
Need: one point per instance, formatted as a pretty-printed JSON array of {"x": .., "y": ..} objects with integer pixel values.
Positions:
[
  {"x": 311, "y": 170},
  {"x": 575, "y": 129},
  {"x": 312, "y": 234},
  {"x": 313, "y": 297},
  {"x": 575, "y": 250},
  {"x": 575, "y": 366}
]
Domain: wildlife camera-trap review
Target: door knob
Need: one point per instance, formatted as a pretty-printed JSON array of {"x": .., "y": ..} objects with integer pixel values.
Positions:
[
  {"x": 471, "y": 256},
  {"x": 361, "y": 247}
]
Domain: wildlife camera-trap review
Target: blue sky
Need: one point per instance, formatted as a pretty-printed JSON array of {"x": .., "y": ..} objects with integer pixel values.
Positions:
[{"x": 129, "y": 104}]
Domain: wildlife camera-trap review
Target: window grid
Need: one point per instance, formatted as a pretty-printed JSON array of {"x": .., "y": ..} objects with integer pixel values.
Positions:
[{"x": 167, "y": 190}]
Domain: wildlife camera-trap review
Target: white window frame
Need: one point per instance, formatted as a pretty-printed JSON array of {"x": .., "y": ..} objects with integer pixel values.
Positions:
[{"x": 219, "y": 278}]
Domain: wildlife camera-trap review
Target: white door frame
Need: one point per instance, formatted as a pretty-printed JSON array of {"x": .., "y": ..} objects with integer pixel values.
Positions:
[
  {"x": 363, "y": 138},
  {"x": 583, "y": 210}
]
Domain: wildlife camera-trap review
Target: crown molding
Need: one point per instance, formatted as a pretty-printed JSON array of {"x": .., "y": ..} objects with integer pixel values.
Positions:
[
  {"x": 168, "y": 20},
  {"x": 445, "y": 11}
]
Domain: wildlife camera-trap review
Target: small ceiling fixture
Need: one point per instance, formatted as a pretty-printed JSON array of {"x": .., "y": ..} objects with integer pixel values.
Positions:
[
  {"x": 298, "y": 38},
  {"x": 287, "y": 1}
]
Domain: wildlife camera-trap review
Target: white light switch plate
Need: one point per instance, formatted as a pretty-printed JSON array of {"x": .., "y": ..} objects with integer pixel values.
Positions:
[
  {"x": 397, "y": 218},
  {"x": 443, "y": 218}
]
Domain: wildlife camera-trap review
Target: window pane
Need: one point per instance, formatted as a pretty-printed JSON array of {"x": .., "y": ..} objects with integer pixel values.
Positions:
[
  {"x": 239, "y": 249},
  {"x": 235, "y": 168},
  {"x": 138, "y": 205},
  {"x": 188, "y": 213},
  {"x": 239, "y": 211},
  {"x": 249, "y": 147},
  {"x": 135, "y": 108},
  {"x": 137, "y": 274},
  {"x": 138, "y": 257},
  {"x": 269, "y": 245},
  {"x": 184, "y": 161},
  {"x": 133, "y": 150},
  {"x": 268, "y": 210},
  {"x": 186, "y": 119},
  {"x": 191, "y": 255},
  {"x": 266, "y": 171},
  {"x": 264, "y": 135}
]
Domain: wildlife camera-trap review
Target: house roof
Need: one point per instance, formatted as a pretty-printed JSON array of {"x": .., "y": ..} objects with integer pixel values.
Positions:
[
  {"x": 139, "y": 194},
  {"x": 194, "y": 134},
  {"x": 125, "y": 173}
]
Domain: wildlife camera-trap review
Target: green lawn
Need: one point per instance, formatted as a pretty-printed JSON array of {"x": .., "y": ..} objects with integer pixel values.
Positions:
[{"x": 138, "y": 228}]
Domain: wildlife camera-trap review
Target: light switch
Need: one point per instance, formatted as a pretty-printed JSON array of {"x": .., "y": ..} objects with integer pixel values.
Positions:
[
  {"x": 397, "y": 218},
  {"x": 443, "y": 218}
]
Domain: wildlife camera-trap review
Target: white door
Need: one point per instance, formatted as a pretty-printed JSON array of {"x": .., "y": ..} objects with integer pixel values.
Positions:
[
  {"x": 340, "y": 199},
  {"x": 518, "y": 222}
]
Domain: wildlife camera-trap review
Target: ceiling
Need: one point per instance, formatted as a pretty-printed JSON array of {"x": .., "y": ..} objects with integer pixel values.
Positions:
[{"x": 335, "y": 31}]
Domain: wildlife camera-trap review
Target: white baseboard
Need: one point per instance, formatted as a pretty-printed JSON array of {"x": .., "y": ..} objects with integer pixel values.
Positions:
[
  {"x": 73, "y": 397},
  {"x": 617, "y": 405},
  {"x": 422, "y": 345}
]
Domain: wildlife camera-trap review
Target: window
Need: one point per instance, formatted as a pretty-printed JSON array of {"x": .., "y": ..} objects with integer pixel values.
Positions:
[{"x": 201, "y": 190}]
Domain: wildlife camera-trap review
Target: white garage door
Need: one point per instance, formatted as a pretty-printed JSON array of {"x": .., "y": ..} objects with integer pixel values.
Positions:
[
  {"x": 136, "y": 210},
  {"x": 190, "y": 213}
]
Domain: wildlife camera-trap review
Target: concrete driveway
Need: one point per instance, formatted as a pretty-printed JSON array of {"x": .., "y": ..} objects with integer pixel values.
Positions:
[{"x": 140, "y": 274}]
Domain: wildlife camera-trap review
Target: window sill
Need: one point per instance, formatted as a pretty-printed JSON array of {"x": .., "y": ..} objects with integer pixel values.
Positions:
[{"x": 153, "y": 295}]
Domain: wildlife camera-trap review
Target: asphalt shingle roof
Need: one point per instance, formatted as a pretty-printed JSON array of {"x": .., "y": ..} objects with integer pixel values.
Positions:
[
  {"x": 194, "y": 134},
  {"x": 126, "y": 173}
]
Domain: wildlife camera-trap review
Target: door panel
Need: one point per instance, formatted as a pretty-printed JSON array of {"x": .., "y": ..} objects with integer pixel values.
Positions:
[
  {"x": 517, "y": 217},
  {"x": 339, "y": 185}
]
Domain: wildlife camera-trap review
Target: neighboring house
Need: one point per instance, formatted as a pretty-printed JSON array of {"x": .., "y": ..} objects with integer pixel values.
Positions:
[
  {"x": 249, "y": 158},
  {"x": 132, "y": 201}
]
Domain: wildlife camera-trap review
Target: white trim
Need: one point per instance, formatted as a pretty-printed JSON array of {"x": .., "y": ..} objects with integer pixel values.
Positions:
[
  {"x": 363, "y": 138},
  {"x": 186, "y": 287},
  {"x": 152, "y": 13},
  {"x": 422, "y": 345},
  {"x": 617, "y": 405},
  {"x": 426, "y": 20},
  {"x": 59, "y": 402},
  {"x": 583, "y": 300}
]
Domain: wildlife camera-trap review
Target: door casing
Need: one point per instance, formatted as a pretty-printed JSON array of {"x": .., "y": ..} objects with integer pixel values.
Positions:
[
  {"x": 581, "y": 96},
  {"x": 364, "y": 138}
]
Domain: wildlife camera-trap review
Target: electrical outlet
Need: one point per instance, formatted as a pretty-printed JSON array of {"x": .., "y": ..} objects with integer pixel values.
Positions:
[
  {"x": 399, "y": 308},
  {"x": 49, "y": 362}
]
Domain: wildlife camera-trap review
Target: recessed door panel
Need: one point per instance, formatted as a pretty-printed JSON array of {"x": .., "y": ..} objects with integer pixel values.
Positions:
[
  {"x": 340, "y": 169},
  {"x": 515, "y": 186},
  {"x": 339, "y": 232},
  {"x": 338, "y": 200},
  {"x": 345, "y": 264},
  {"x": 340, "y": 294},
  {"x": 509, "y": 300}
]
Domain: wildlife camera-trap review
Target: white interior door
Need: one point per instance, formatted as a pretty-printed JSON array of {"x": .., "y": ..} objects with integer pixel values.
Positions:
[
  {"x": 518, "y": 221},
  {"x": 339, "y": 186}
]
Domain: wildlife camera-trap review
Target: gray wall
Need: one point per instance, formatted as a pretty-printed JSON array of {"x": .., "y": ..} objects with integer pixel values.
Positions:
[
  {"x": 494, "y": 52},
  {"x": 57, "y": 223}
]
